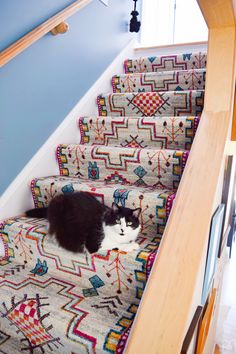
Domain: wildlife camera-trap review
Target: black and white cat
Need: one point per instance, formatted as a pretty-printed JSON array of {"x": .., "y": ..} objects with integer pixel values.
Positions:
[{"x": 78, "y": 220}]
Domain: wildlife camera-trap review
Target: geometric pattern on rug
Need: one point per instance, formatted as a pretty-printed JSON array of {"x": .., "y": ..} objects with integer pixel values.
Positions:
[
  {"x": 117, "y": 280},
  {"x": 163, "y": 167},
  {"x": 160, "y": 81},
  {"x": 133, "y": 154},
  {"x": 130, "y": 196},
  {"x": 26, "y": 316},
  {"x": 171, "y": 103},
  {"x": 169, "y": 62},
  {"x": 7, "y": 253},
  {"x": 144, "y": 132}
]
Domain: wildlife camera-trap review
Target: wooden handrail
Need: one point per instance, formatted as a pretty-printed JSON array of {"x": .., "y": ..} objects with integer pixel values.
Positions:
[{"x": 24, "y": 42}]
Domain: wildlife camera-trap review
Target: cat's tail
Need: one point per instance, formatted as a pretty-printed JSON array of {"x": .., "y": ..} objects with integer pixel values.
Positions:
[{"x": 37, "y": 213}]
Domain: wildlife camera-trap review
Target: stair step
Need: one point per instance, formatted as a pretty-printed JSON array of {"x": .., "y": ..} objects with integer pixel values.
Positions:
[
  {"x": 159, "y": 168},
  {"x": 160, "y": 81},
  {"x": 76, "y": 302},
  {"x": 156, "y": 204},
  {"x": 139, "y": 132},
  {"x": 183, "y": 61},
  {"x": 60, "y": 301},
  {"x": 171, "y": 103}
]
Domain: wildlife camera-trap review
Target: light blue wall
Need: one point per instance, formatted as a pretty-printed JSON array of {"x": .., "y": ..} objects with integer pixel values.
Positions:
[{"x": 40, "y": 86}]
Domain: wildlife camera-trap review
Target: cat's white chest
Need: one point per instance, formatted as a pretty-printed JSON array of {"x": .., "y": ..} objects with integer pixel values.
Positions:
[{"x": 113, "y": 239}]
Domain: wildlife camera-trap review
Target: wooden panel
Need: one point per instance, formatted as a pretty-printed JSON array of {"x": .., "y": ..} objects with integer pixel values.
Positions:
[
  {"x": 31, "y": 37},
  {"x": 220, "y": 78},
  {"x": 167, "y": 304},
  {"x": 218, "y": 13}
]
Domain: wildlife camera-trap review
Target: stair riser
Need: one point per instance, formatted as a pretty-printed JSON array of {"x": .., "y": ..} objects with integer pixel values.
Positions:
[
  {"x": 146, "y": 104},
  {"x": 140, "y": 167},
  {"x": 152, "y": 132},
  {"x": 158, "y": 82},
  {"x": 186, "y": 61},
  {"x": 155, "y": 205}
]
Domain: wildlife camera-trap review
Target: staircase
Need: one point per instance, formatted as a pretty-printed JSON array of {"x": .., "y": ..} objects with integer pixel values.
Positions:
[{"x": 134, "y": 153}]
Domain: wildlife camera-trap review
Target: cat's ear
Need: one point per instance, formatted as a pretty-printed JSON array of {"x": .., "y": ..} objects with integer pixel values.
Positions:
[
  {"x": 136, "y": 212},
  {"x": 115, "y": 207}
]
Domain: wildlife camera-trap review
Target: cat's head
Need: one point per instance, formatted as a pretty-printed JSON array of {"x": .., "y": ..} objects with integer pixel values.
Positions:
[{"x": 122, "y": 224}]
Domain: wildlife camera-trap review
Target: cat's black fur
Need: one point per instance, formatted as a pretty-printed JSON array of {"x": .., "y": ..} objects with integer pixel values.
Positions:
[{"x": 76, "y": 220}]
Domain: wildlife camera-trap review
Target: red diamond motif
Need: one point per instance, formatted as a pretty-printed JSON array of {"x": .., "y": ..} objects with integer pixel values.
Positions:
[{"x": 148, "y": 103}]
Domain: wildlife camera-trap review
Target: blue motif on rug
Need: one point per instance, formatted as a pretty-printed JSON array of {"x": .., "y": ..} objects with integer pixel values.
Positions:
[
  {"x": 40, "y": 268},
  {"x": 93, "y": 170},
  {"x": 151, "y": 59},
  {"x": 96, "y": 283},
  {"x": 68, "y": 189},
  {"x": 120, "y": 196},
  {"x": 187, "y": 56}
]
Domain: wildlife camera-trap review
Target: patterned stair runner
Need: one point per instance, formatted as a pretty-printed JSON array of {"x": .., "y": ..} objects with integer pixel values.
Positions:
[
  {"x": 54, "y": 301},
  {"x": 169, "y": 62},
  {"x": 134, "y": 154},
  {"x": 158, "y": 168},
  {"x": 155, "y": 203},
  {"x": 170, "y": 103},
  {"x": 139, "y": 132},
  {"x": 160, "y": 81}
]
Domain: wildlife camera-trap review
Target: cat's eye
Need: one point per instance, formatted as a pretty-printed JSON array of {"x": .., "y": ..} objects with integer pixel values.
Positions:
[
  {"x": 118, "y": 221},
  {"x": 129, "y": 223}
]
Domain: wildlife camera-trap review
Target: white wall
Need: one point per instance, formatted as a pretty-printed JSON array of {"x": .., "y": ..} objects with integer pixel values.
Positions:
[{"x": 172, "y": 21}]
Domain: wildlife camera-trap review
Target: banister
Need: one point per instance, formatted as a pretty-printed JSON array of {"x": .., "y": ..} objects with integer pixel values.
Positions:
[
  {"x": 24, "y": 42},
  {"x": 175, "y": 283}
]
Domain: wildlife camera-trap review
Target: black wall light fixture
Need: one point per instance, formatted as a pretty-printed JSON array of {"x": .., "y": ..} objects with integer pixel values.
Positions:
[{"x": 134, "y": 23}]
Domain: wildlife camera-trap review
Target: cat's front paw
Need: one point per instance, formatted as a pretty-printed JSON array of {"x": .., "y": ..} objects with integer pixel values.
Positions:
[
  {"x": 135, "y": 246},
  {"x": 129, "y": 247}
]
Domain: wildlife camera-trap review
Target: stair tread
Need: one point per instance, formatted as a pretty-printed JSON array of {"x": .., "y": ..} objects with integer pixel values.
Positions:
[
  {"x": 85, "y": 290},
  {"x": 171, "y": 103},
  {"x": 154, "y": 167},
  {"x": 156, "y": 203},
  {"x": 160, "y": 81},
  {"x": 145, "y": 132},
  {"x": 167, "y": 62}
]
